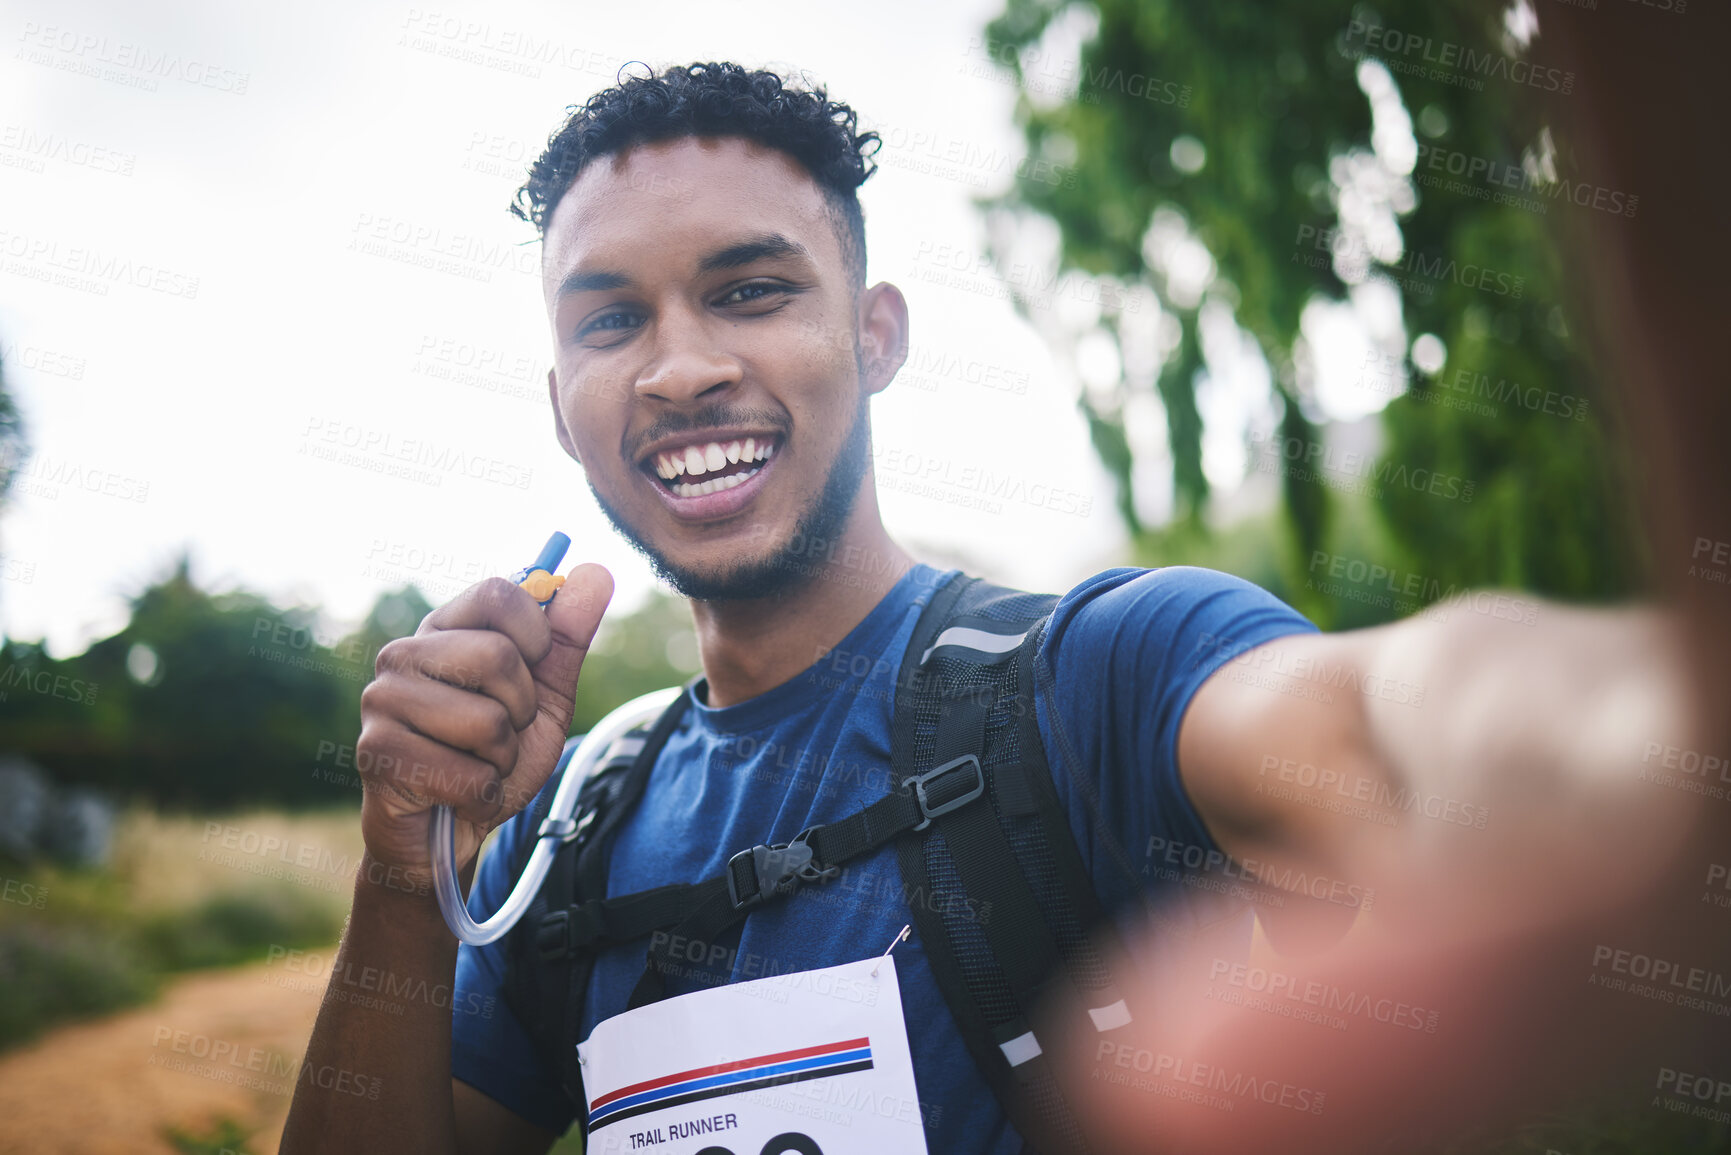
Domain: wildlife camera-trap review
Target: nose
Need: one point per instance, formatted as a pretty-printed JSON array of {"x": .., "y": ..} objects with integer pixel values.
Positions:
[{"x": 687, "y": 362}]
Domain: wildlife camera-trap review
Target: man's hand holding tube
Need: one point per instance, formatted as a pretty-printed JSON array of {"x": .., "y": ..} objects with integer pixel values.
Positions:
[{"x": 471, "y": 712}]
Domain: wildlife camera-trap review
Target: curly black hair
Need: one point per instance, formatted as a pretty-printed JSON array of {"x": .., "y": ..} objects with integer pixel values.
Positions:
[{"x": 714, "y": 99}]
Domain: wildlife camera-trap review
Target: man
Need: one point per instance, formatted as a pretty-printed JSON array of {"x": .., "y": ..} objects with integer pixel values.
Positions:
[{"x": 715, "y": 349}]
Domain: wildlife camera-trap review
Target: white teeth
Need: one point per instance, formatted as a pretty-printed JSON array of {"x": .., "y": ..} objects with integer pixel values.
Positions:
[
  {"x": 713, "y": 485},
  {"x": 697, "y": 460}
]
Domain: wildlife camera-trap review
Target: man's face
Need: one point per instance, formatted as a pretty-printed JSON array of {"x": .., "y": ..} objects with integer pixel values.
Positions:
[{"x": 707, "y": 351}]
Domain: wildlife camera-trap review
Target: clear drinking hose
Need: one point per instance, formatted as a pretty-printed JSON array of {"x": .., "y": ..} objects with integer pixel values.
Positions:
[
  {"x": 556, "y": 828},
  {"x": 540, "y": 579}
]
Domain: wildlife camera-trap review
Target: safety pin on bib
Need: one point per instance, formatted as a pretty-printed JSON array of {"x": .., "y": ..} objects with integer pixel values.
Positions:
[{"x": 900, "y": 938}]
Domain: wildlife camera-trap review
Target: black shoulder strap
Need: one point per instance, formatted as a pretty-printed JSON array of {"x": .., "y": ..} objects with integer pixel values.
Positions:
[
  {"x": 544, "y": 980},
  {"x": 1005, "y": 904},
  {"x": 1014, "y": 961}
]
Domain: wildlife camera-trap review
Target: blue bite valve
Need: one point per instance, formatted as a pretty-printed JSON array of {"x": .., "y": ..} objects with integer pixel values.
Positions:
[
  {"x": 552, "y": 553},
  {"x": 540, "y": 576}
]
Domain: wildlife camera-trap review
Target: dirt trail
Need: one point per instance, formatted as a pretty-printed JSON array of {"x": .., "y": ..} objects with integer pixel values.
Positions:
[{"x": 216, "y": 1045}]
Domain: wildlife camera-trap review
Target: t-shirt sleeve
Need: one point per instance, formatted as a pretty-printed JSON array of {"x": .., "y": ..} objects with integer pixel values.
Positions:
[
  {"x": 490, "y": 1050},
  {"x": 1123, "y": 655}
]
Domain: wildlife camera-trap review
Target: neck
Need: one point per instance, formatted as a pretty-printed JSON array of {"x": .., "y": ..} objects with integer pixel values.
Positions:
[{"x": 752, "y": 645}]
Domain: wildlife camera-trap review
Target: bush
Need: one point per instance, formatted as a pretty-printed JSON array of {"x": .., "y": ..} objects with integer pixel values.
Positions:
[
  {"x": 235, "y": 928},
  {"x": 52, "y": 973}
]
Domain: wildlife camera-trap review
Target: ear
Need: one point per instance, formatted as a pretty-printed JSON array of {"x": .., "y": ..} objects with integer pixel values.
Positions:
[
  {"x": 559, "y": 429},
  {"x": 883, "y": 335}
]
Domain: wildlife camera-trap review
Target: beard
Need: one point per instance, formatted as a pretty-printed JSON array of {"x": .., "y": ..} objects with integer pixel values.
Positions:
[{"x": 784, "y": 567}]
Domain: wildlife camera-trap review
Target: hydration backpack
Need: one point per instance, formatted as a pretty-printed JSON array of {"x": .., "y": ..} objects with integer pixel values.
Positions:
[{"x": 975, "y": 818}]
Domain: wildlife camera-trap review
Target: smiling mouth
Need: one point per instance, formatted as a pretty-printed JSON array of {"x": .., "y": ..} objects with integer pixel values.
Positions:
[{"x": 710, "y": 467}]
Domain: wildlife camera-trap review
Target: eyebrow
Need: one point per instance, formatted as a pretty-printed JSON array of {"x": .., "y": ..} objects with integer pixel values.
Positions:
[
  {"x": 757, "y": 248},
  {"x": 765, "y": 246}
]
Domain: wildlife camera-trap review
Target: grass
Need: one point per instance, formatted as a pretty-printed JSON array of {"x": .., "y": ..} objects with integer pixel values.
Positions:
[
  {"x": 179, "y": 893},
  {"x": 223, "y": 1137}
]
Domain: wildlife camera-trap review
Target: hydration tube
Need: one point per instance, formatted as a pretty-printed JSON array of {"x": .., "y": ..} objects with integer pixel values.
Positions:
[{"x": 558, "y": 826}]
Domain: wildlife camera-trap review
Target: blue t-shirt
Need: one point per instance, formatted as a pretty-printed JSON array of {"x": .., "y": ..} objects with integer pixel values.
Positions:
[{"x": 1126, "y": 650}]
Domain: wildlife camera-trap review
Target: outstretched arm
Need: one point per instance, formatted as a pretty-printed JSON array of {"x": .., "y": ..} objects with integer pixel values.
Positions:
[
  {"x": 1470, "y": 747},
  {"x": 1499, "y": 784}
]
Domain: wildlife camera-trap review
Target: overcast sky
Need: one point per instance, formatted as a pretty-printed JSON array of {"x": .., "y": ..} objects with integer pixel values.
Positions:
[{"x": 235, "y": 243}]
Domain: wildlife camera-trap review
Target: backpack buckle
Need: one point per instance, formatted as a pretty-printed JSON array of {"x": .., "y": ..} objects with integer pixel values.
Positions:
[
  {"x": 758, "y": 872},
  {"x": 566, "y": 829},
  {"x": 954, "y": 784}
]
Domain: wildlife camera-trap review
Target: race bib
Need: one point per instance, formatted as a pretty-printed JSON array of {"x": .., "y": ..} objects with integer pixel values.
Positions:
[{"x": 813, "y": 1063}]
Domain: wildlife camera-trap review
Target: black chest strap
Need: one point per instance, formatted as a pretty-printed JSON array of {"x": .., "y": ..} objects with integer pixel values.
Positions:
[{"x": 999, "y": 894}]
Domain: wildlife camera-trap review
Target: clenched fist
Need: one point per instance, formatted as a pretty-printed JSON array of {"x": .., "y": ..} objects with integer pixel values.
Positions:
[{"x": 471, "y": 713}]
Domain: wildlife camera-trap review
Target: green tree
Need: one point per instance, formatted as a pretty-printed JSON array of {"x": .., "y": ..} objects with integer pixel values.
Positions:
[
  {"x": 210, "y": 701},
  {"x": 1274, "y": 135},
  {"x": 203, "y": 700}
]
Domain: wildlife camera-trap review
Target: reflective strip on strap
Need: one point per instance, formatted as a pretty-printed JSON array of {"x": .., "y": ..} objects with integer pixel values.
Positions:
[
  {"x": 1110, "y": 1017},
  {"x": 998, "y": 645},
  {"x": 627, "y": 747},
  {"x": 1021, "y": 1048}
]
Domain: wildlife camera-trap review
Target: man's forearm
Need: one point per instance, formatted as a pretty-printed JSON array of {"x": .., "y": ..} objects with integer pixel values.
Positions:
[
  {"x": 1540, "y": 726},
  {"x": 375, "y": 1079}
]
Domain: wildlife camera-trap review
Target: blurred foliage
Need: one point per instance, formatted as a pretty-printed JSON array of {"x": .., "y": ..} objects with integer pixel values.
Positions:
[
  {"x": 210, "y": 701},
  {"x": 222, "y": 1137},
  {"x": 13, "y": 447},
  {"x": 92, "y": 946},
  {"x": 1276, "y": 96}
]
